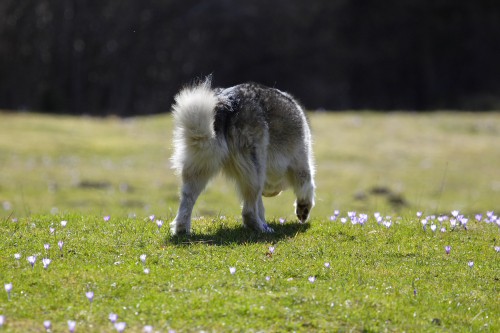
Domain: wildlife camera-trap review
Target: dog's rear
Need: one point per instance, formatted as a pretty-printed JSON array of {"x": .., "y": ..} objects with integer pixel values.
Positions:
[
  {"x": 258, "y": 136},
  {"x": 195, "y": 142},
  {"x": 198, "y": 154}
]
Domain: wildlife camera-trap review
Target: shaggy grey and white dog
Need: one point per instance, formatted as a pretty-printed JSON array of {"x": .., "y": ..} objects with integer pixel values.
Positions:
[{"x": 258, "y": 136}]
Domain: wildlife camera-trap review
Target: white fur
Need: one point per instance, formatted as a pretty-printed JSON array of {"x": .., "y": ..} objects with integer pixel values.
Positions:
[{"x": 194, "y": 135}]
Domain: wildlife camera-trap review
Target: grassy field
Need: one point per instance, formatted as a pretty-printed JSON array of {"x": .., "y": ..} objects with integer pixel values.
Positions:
[{"x": 106, "y": 177}]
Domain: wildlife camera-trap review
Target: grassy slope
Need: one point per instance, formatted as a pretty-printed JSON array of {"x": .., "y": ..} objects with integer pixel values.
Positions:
[{"x": 89, "y": 168}]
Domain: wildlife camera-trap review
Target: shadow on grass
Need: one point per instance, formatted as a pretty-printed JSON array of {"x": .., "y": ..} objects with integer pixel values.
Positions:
[{"x": 241, "y": 235}]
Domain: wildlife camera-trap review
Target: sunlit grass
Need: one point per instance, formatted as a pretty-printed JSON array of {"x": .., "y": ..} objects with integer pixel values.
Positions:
[{"x": 394, "y": 276}]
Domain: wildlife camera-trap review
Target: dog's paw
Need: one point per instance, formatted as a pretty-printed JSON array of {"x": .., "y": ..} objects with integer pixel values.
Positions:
[
  {"x": 302, "y": 211},
  {"x": 178, "y": 229},
  {"x": 267, "y": 229}
]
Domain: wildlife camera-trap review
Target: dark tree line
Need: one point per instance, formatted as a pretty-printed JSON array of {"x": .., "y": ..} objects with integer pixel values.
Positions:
[{"x": 130, "y": 56}]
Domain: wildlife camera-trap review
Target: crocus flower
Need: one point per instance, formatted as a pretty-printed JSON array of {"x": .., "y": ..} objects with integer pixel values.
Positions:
[
  {"x": 146, "y": 270},
  {"x": 151, "y": 218},
  {"x": 17, "y": 256},
  {"x": 143, "y": 258},
  {"x": 268, "y": 278},
  {"x": 47, "y": 324},
  {"x": 497, "y": 248},
  {"x": 419, "y": 214},
  {"x": 159, "y": 223},
  {"x": 32, "y": 260},
  {"x": 46, "y": 247},
  {"x": 120, "y": 327},
  {"x": 46, "y": 262},
  {"x": 271, "y": 249},
  {"x": 433, "y": 227},
  {"x": 52, "y": 230},
  {"x": 447, "y": 249},
  {"x": 71, "y": 326},
  {"x": 90, "y": 295},
  {"x": 2, "y": 320},
  {"x": 106, "y": 218},
  {"x": 60, "y": 244},
  {"x": 455, "y": 213},
  {"x": 312, "y": 279},
  {"x": 479, "y": 217},
  {"x": 424, "y": 224},
  {"x": 471, "y": 264},
  {"x": 63, "y": 223},
  {"x": 282, "y": 220},
  {"x": 8, "y": 289},
  {"x": 113, "y": 317},
  {"x": 464, "y": 221},
  {"x": 232, "y": 270},
  {"x": 148, "y": 329}
]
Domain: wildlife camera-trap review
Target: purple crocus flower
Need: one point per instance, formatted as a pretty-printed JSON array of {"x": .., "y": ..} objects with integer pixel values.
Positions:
[
  {"x": 113, "y": 317},
  {"x": 312, "y": 279},
  {"x": 71, "y": 326},
  {"x": 47, "y": 324},
  {"x": 424, "y": 224},
  {"x": 2, "y": 320},
  {"x": 8, "y": 289},
  {"x": 120, "y": 327},
  {"x": 159, "y": 223},
  {"x": 107, "y": 218},
  {"x": 471, "y": 264},
  {"x": 46, "y": 247},
  {"x": 232, "y": 270},
  {"x": 447, "y": 249},
  {"x": 90, "y": 295},
  {"x": 32, "y": 260},
  {"x": 60, "y": 244},
  {"x": 46, "y": 262}
]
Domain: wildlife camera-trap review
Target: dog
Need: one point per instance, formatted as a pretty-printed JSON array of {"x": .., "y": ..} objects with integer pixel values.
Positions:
[{"x": 257, "y": 136}]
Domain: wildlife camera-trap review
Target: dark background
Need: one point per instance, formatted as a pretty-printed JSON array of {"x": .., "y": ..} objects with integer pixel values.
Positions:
[{"x": 129, "y": 57}]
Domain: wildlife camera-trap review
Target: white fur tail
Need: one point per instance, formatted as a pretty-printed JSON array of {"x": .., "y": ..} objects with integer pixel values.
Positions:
[{"x": 194, "y": 134}]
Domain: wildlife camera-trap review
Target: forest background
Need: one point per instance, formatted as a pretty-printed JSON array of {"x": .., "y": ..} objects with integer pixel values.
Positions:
[{"x": 130, "y": 57}]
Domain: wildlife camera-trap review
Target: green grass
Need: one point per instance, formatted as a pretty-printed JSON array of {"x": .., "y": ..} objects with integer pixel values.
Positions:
[{"x": 379, "y": 279}]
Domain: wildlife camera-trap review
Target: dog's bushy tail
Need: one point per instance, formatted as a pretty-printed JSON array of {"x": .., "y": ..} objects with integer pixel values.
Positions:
[{"x": 195, "y": 140}]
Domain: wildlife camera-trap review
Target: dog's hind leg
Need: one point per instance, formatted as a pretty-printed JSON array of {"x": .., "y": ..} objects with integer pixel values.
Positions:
[
  {"x": 302, "y": 180},
  {"x": 248, "y": 171},
  {"x": 193, "y": 183}
]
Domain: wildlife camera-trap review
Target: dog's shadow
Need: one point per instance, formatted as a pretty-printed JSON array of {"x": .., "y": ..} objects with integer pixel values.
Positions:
[{"x": 242, "y": 235}]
